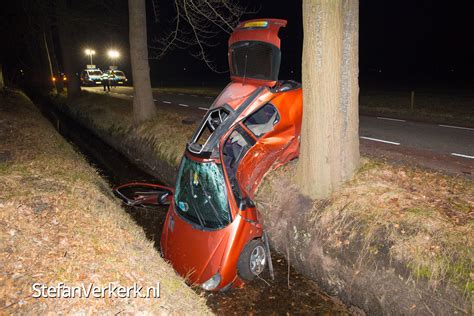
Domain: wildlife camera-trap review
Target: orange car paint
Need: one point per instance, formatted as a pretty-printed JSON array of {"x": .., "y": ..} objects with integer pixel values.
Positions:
[{"x": 198, "y": 253}]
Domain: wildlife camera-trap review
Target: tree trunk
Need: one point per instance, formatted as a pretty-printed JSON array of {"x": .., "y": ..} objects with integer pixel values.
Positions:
[
  {"x": 54, "y": 60},
  {"x": 50, "y": 65},
  {"x": 329, "y": 137},
  {"x": 143, "y": 105},
  {"x": 2, "y": 82},
  {"x": 67, "y": 49}
]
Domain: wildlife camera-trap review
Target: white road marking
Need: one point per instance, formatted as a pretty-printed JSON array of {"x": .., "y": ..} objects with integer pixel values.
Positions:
[
  {"x": 380, "y": 140},
  {"x": 458, "y": 127},
  {"x": 461, "y": 155},
  {"x": 390, "y": 119},
  {"x": 209, "y": 97},
  {"x": 185, "y": 105},
  {"x": 155, "y": 100},
  {"x": 167, "y": 102},
  {"x": 205, "y": 109}
]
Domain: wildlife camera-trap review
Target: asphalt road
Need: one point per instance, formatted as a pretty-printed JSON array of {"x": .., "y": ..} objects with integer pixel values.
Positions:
[{"x": 457, "y": 142}]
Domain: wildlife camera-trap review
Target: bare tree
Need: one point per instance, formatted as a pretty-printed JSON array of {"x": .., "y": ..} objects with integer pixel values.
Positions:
[
  {"x": 143, "y": 105},
  {"x": 196, "y": 25},
  {"x": 329, "y": 138}
]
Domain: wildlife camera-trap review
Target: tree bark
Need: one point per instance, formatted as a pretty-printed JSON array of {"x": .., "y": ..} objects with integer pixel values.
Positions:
[
  {"x": 329, "y": 137},
  {"x": 67, "y": 49},
  {"x": 48, "y": 55},
  {"x": 2, "y": 82},
  {"x": 59, "y": 84},
  {"x": 143, "y": 105}
]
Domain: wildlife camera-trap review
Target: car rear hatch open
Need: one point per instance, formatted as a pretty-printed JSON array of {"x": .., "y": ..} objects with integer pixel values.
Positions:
[{"x": 254, "y": 52}]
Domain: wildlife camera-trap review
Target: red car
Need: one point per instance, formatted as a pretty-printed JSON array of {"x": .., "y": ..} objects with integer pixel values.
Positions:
[{"x": 213, "y": 234}]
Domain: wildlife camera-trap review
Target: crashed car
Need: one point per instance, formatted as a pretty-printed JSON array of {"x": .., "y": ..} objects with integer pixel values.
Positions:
[{"x": 213, "y": 234}]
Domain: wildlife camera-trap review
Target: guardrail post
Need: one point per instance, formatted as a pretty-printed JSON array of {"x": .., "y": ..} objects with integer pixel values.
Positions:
[{"x": 412, "y": 101}]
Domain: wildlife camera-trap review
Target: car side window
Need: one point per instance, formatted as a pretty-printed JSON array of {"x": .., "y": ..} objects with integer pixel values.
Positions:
[
  {"x": 235, "y": 148},
  {"x": 262, "y": 121}
]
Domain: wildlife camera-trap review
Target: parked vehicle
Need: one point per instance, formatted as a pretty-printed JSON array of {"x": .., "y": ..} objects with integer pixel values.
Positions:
[
  {"x": 91, "y": 77},
  {"x": 118, "y": 77},
  {"x": 213, "y": 233}
]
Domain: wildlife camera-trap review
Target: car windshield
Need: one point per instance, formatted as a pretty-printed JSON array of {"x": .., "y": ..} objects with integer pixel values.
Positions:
[
  {"x": 95, "y": 73},
  {"x": 201, "y": 195},
  {"x": 119, "y": 73}
]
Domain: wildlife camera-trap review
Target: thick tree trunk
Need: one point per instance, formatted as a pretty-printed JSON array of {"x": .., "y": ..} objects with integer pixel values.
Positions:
[
  {"x": 68, "y": 50},
  {"x": 143, "y": 105},
  {"x": 329, "y": 137}
]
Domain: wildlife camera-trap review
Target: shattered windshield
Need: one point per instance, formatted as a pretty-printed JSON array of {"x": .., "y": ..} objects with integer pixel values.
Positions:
[{"x": 201, "y": 195}]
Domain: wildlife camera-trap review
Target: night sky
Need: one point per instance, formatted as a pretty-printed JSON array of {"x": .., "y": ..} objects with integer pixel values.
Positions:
[{"x": 402, "y": 42}]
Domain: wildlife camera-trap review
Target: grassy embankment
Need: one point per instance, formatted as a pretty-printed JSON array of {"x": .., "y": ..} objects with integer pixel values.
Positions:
[
  {"x": 414, "y": 224},
  {"x": 60, "y": 223},
  {"x": 405, "y": 234}
]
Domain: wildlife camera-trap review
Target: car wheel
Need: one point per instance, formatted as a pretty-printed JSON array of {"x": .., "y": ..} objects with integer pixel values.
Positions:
[{"x": 252, "y": 260}]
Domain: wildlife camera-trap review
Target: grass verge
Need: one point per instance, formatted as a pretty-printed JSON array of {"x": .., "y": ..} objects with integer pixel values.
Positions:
[
  {"x": 414, "y": 225},
  {"x": 60, "y": 223},
  {"x": 388, "y": 220},
  {"x": 452, "y": 108}
]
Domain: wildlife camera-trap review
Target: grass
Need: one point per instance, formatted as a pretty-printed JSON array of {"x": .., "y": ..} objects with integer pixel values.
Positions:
[
  {"x": 165, "y": 133},
  {"x": 421, "y": 220},
  {"x": 60, "y": 223},
  {"x": 439, "y": 108},
  {"x": 204, "y": 91},
  {"x": 427, "y": 228}
]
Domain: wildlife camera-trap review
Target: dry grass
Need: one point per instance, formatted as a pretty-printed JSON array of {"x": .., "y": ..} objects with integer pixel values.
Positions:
[
  {"x": 206, "y": 91},
  {"x": 385, "y": 214},
  {"x": 165, "y": 133},
  {"x": 449, "y": 108},
  {"x": 60, "y": 223}
]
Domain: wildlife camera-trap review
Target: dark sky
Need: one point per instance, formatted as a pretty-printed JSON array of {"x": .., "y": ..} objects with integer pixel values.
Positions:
[
  {"x": 400, "y": 41},
  {"x": 417, "y": 41}
]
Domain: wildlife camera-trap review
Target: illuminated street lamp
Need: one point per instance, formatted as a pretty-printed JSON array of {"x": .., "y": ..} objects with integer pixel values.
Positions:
[
  {"x": 113, "y": 54},
  {"x": 90, "y": 52}
]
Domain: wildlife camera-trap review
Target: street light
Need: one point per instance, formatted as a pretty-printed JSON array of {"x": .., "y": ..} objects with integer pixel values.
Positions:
[
  {"x": 113, "y": 54},
  {"x": 90, "y": 52}
]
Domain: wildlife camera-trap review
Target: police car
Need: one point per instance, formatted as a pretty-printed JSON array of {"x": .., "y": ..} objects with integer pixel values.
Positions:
[
  {"x": 91, "y": 76},
  {"x": 117, "y": 76}
]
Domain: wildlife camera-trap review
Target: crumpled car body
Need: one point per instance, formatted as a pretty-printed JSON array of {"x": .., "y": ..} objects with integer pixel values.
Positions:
[{"x": 213, "y": 234}]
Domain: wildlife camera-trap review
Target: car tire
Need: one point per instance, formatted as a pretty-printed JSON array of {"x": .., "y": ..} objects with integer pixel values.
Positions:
[{"x": 252, "y": 260}]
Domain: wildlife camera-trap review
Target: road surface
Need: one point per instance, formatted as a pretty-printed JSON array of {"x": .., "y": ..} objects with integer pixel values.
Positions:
[{"x": 440, "y": 146}]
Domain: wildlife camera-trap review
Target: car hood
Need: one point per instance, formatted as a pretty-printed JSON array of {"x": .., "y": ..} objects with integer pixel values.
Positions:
[{"x": 193, "y": 252}]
